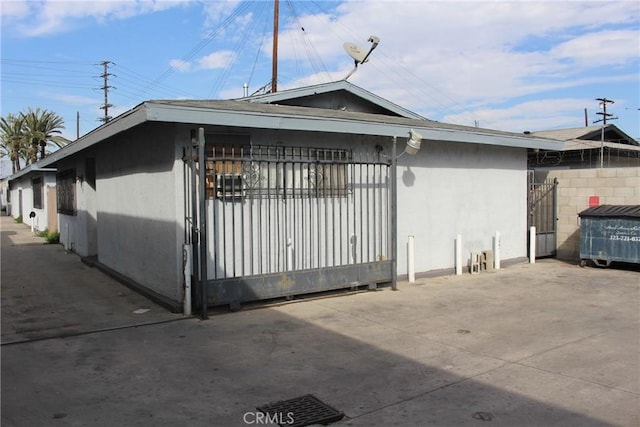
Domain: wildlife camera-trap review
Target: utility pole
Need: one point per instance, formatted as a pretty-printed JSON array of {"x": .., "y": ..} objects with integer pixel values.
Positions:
[
  {"x": 274, "y": 64},
  {"x": 603, "y": 104},
  {"x": 105, "y": 87}
]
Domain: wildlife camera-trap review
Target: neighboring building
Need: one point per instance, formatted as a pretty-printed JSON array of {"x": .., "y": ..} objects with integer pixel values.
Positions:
[
  {"x": 586, "y": 147},
  {"x": 296, "y": 199},
  {"x": 32, "y": 191}
]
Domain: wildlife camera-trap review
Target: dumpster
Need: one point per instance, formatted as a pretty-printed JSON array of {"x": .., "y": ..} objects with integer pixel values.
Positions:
[{"x": 610, "y": 233}]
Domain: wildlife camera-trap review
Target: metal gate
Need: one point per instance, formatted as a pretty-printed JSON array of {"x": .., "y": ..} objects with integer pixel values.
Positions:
[
  {"x": 284, "y": 221},
  {"x": 542, "y": 202}
]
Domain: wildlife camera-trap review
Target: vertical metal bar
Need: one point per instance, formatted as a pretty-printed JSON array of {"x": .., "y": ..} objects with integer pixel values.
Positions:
[
  {"x": 303, "y": 239},
  {"x": 195, "y": 218},
  {"x": 555, "y": 215},
  {"x": 367, "y": 212},
  {"x": 204, "y": 298},
  {"x": 223, "y": 206},
  {"x": 380, "y": 204},
  {"x": 362, "y": 210},
  {"x": 348, "y": 169},
  {"x": 374, "y": 206},
  {"x": 260, "y": 213},
  {"x": 317, "y": 202},
  {"x": 233, "y": 210},
  {"x": 332, "y": 186},
  {"x": 394, "y": 218},
  {"x": 326, "y": 211},
  {"x": 339, "y": 182},
  {"x": 269, "y": 223},
  {"x": 242, "y": 194}
]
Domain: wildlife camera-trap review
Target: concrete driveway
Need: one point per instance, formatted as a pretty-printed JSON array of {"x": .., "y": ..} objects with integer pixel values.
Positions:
[{"x": 547, "y": 344}]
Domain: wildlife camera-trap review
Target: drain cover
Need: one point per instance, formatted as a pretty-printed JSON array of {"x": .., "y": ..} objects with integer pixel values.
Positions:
[{"x": 301, "y": 411}]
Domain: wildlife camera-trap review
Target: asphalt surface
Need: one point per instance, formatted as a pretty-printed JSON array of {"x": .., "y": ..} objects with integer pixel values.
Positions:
[{"x": 544, "y": 344}]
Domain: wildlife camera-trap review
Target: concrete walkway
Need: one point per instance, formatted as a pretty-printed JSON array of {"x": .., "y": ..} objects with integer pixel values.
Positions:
[{"x": 547, "y": 344}]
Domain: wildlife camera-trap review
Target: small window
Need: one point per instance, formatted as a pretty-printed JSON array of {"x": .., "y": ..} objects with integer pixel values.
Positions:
[
  {"x": 36, "y": 186},
  {"x": 66, "y": 194}
]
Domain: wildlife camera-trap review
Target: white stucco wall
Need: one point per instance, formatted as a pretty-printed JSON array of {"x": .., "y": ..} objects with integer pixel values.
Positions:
[
  {"x": 136, "y": 212},
  {"x": 136, "y": 208},
  {"x": 78, "y": 231},
  {"x": 24, "y": 185},
  {"x": 446, "y": 189},
  {"x": 472, "y": 190}
]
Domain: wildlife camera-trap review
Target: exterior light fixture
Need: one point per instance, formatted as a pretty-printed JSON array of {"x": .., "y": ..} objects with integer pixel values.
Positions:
[
  {"x": 413, "y": 144},
  {"x": 412, "y": 147}
]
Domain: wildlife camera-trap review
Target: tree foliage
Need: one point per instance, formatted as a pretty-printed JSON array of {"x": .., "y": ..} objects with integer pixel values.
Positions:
[{"x": 25, "y": 136}]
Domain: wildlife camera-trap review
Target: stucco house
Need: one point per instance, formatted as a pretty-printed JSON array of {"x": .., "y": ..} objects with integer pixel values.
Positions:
[
  {"x": 31, "y": 194},
  {"x": 264, "y": 199}
]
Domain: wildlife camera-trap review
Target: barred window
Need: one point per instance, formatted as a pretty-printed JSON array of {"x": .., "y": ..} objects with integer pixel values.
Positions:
[
  {"x": 36, "y": 186},
  {"x": 65, "y": 189},
  {"x": 272, "y": 171}
]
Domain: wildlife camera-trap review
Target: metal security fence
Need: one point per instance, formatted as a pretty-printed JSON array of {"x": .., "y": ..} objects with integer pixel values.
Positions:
[
  {"x": 542, "y": 203},
  {"x": 283, "y": 221}
]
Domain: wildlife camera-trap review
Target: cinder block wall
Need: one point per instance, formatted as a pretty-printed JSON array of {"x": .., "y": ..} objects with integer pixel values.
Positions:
[{"x": 614, "y": 186}]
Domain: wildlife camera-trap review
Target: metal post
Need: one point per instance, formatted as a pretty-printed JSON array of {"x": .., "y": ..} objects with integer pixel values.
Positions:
[
  {"x": 202, "y": 198},
  {"x": 394, "y": 217}
]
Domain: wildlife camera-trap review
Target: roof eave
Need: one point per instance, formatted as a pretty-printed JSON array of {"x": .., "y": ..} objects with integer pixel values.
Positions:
[{"x": 262, "y": 120}]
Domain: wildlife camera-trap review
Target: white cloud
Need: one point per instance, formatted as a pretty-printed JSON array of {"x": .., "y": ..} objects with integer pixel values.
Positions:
[
  {"x": 52, "y": 16},
  {"x": 14, "y": 9},
  {"x": 215, "y": 60},
  {"x": 531, "y": 115},
  {"x": 180, "y": 65}
]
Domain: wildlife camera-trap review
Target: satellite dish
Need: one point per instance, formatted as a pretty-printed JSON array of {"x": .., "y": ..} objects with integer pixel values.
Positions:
[{"x": 357, "y": 53}]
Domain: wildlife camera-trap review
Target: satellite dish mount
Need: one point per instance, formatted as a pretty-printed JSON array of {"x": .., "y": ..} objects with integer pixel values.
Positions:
[{"x": 358, "y": 54}]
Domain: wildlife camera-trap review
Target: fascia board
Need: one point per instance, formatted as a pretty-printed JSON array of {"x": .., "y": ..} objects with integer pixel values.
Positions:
[
  {"x": 119, "y": 124},
  {"x": 260, "y": 120}
]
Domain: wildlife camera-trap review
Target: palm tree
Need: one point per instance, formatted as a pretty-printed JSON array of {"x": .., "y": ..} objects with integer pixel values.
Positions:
[
  {"x": 40, "y": 127},
  {"x": 13, "y": 142}
]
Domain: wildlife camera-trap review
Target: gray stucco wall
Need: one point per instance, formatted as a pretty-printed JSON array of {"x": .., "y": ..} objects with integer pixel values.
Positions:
[
  {"x": 78, "y": 232},
  {"x": 136, "y": 208},
  {"x": 446, "y": 189},
  {"x": 471, "y": 190}
]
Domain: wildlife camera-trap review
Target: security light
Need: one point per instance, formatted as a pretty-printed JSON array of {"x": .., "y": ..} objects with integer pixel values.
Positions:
[{"x": 413, "y": 144}]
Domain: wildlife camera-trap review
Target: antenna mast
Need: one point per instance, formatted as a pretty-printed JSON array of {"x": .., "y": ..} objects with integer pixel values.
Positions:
[{"x": 274, "y": 65}]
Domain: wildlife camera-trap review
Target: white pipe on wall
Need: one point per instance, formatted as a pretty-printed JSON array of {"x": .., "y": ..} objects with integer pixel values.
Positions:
[
  {"x": 532, "y": 245},
  {"x": 458, "y": 254},
  {"x": 411, "y": 260},
  {"x": 289, "y": 255},
  {"x": 496, "y": 251}
]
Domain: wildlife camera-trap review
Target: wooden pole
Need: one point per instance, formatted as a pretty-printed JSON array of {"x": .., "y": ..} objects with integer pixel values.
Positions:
[{"x": 274, "y": 65}]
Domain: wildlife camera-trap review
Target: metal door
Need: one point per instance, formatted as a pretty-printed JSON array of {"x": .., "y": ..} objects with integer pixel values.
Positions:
[{"x": 542, "y": 215}]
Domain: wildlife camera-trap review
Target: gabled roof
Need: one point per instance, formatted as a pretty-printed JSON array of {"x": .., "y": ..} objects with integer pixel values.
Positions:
[
  {"x": 280, "y": 117},
  {"x": 612, "y": 134},
  {"x": 289, "y": 96}
]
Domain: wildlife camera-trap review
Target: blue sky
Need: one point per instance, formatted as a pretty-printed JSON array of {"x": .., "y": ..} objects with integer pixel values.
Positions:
[{"x": 511, "y": 66}]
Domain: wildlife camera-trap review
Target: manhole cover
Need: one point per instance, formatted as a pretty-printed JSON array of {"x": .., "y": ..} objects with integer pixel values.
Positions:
[{"x": 301, "y": 411}]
